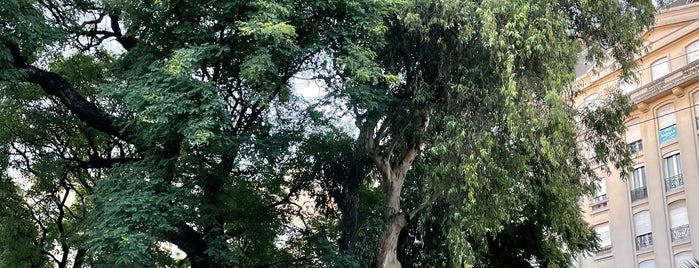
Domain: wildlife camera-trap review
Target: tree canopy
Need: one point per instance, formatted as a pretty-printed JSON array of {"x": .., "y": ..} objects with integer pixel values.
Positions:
[{"x": 447, "y": 134}]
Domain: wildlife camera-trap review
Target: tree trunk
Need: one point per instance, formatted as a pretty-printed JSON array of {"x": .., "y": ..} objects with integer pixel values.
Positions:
[
  {"x": 396, "y": 221},
  {"x": 79, "y": 258},
  {"x": 349, "y": 210},
  {"x": 388, "y": 257}
]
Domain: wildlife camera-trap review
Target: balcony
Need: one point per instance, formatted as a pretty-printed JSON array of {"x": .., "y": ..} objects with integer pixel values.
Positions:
[
  {"x": 644, "y": 241},
  {"x": 604, "y": 250},
  {"x": 599, "y": 202},
  {"x": 639, "y": 193},
  {"x": 679, "y": 78},
  {"x": 673, "y": 182},
  {"x": 680, "y": 233}
]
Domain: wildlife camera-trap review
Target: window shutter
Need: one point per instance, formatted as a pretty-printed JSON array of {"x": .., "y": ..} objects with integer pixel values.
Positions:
[
  {"x": 666, "y": 116},
  {"x": 633, "y": 133},
  {"x": 659, "y": 68},
  {"x": 641, "y": 222},
  {"x": 678, "y": 216}
]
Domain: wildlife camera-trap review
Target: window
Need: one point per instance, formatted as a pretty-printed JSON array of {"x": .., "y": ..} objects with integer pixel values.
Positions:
[
  {"x": 693, "y": 52},
  {"x": 633, "y": 138},
  {"x": 679, "y": 223},
  {"x": 683, "y": 259},
  {"x": 647, "y": 264},
  {"x": 659, "y": 68},
  {"x": 638, "y": 184},
  {"x": 666, "y": 123},
  {"x": 591, "y": 102},
  {"x": 599, "y": 201},
  {"x": 673, "y": 172},
  {"x": 605, "y": 238},
  {"x": 644, "y": 237}
]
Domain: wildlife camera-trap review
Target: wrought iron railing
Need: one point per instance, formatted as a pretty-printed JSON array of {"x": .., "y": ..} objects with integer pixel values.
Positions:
[
  {"x": 639, "y": 193},
  {"x": 680, "y": 233},
  {"x": 644, "y": 241},
  {"x": 673, "y": 182}
]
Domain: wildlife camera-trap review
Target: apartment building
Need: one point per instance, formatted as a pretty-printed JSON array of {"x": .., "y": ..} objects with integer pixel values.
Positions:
[{"x": 651, "y": 218}]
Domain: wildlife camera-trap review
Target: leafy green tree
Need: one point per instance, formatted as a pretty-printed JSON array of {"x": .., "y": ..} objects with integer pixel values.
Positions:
[
  {"x": 482, "y": 87},
  {"x": 135, "y": 123}
]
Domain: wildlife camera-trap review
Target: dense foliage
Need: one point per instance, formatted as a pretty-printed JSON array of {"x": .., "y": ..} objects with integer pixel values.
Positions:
[{"x": 447, "y": 135}]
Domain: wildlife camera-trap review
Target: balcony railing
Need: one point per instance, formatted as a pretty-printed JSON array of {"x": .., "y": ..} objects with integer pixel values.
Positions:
[
  {"x": 639, "y": 193},
  {"x": 680, "y": 233},
  {"x": 678, "y": 78},
  {"x": 599, "y": 198},
  {"x": 673, "y": 182},
  {"x": 604, "y": 250},
  {"x": 644, "y": 241}
]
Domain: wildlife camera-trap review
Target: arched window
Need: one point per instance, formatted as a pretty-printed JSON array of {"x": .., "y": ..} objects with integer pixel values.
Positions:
[
  {"x": 644, "y": 237},
  {"x": 667, "y": 130},
  {"x": 692, "y": 51},
  {"x": 683, "y": 259},
  {"x": 679, "y": 222},
  {"x": 591, "y": 102},
  {"x": 659, "y": 68}
]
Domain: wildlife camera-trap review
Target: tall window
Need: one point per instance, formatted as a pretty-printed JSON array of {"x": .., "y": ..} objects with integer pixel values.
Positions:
[
  {"x": 683, "y": 259},
  {"x": 679, "y": 223},
  {"x": 667, "y": 130},
  {"x": 673, "y": 172},
  {"x": 647, "y": 264},
  {"x": 601, "y": 194},
  {"x": 693, "y": 51},
  {"x": 644, "y": 237},
  {"x": 638, "y": 184},
  {"x": 659, "y": 68},
  {"x": 633, "y": 137},
  {"x": 604, "y": 236}
]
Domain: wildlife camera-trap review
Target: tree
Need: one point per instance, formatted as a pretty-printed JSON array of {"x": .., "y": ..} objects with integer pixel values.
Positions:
[
  {"x": 135, "y": 124},
  {"x": 165, "y": 121},
  {"x": 482, "y": 87}
]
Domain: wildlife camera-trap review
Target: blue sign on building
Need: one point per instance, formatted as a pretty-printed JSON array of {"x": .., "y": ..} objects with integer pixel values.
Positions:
[{"x": 667, "y": 134}]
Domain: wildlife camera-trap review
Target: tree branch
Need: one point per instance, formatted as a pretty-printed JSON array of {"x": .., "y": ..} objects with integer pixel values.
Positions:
[{"x": 55, "y": 85}]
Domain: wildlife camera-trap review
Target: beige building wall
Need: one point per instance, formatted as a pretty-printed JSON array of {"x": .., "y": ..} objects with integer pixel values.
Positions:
[{"x": 675, "y": 29}]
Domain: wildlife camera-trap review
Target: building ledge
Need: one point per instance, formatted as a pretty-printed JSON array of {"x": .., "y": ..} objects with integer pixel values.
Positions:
[{"x": 677, "y": 79}]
